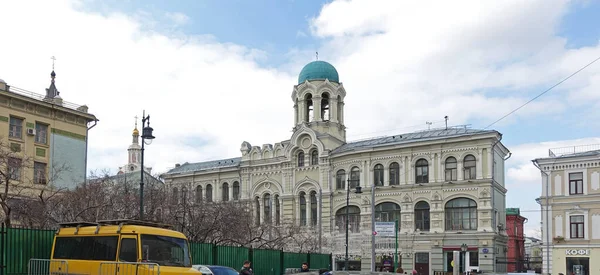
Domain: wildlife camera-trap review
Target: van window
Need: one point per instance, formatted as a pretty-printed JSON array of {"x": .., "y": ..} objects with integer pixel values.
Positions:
[
  {"x": 128, "y": 251},
  {"x": 86, "y": 248},
  {"x": 167, "y": 251}
]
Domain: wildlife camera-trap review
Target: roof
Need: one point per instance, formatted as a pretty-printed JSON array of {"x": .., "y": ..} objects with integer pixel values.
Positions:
[
  {"x": 513, "y": 211},
  {"x": 207, "y": 165},
  {"x": 129, "y": 177},
  {"x": 433, "y": 134},
  {"x": 318, "y": 70},
  {"x": 592, "y": 153}
]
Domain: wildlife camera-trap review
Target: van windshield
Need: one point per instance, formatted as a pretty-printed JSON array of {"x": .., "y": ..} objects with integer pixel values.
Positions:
[{"x": 166, "y": 251}]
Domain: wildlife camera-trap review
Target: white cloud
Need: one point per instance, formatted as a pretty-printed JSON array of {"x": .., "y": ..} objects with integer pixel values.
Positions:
[{"x": 178, "y": 18}]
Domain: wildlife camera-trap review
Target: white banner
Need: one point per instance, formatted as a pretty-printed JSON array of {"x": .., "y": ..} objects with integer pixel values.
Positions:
[{"x": 385, "y": 229}]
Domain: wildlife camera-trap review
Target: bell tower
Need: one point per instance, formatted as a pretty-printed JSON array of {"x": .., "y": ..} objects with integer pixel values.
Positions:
[{"x": 319, "y": 103}]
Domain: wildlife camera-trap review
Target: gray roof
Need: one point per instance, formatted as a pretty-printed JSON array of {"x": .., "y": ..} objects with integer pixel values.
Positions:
[
  {"x": 428, "y": 135},
  {"x": 432, "y": 134},
  {"x": 207, "y": 165},
  {"x": 131, "y": 177}
]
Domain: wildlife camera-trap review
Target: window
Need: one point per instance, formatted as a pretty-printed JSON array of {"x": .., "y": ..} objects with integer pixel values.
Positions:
[
  {"x": 325, "y": 107},
  {"x": 470, "y": 164},
  {"x": 225, "y": 191},
  {"x": 387, "y": 212},
  {"x": 175, "y": 195},
  {"x": 473, "y": 258},
  {"x": 451, "y": 168},
  {"x": 198, "y": 194},
  {"x": 314, "y": 157},
  {"x": 236, "y": 190},
  {"x": 267, "y": 208},
  {"x": 354, "y": 177},
  {"x": 209, "y": 196},
  {"x": 86, "y": 248},
  {"x": 165, "y": 251},
  {"x": 394, "y": 173},
  {"x": 353, "y": 219},
  {"x": 39, "y": 173},
  {"x": 128, "y": 250},
  {"x": 577, "y": 229},
  {"x": 422, "y": 216},
  {"x": 277, "y": 210},
  {"x": 461, "y": 214},
  {"x": 313, "y": 208},
  {"x": 257, "y": 205},
  {"x": 41, "y": 133},
  {"x": 302, "y": 209},
  {"x": 576, "y": 183},
  {"x": 14, "y": 168},
  {"x": 340, "y": 179},
  {"x": 15, "y": 129},
  {"x": 378, "y": 175},
  {"x": 301, "y": 159},
  {"x": 422, "y": 171}
]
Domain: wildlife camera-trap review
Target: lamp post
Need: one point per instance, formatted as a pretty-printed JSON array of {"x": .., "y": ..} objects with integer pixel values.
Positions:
[
  {"x": 358, "y": 191},
  {"x": 146, "y": 134},
  {"x": 464, "y": 247}
]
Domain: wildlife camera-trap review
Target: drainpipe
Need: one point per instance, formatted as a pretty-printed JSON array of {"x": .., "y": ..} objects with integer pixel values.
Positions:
[
  {"x": 87, "y": 130},
  {"x": 547, "y": 223}
]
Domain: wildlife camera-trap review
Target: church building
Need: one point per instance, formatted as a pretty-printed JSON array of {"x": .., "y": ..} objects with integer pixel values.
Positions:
[{"x": 445, "y": 186}]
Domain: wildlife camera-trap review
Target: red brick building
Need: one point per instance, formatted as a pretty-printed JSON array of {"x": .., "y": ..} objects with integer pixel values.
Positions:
[{"x": 516, "y": 240}]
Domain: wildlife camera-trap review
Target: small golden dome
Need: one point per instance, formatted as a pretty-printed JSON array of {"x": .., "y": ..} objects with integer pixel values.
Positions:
[{"x": 136, "y": 132}]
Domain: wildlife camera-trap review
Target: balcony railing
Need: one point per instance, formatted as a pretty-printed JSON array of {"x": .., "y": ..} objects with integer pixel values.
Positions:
[
  {"x": 561, "y": 151},
  {"x": 40, "y": 97}
]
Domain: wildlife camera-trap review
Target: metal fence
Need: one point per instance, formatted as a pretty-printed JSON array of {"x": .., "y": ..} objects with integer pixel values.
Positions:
[
  {"x": 19, "y": 245},
  {"x": 45, "y": 267}
]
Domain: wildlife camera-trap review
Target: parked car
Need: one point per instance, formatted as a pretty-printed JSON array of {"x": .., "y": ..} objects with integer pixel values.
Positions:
[{"x": 215, "y": 270}]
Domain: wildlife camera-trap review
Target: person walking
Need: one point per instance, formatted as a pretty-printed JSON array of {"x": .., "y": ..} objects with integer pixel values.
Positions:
[
  {"x": 246, "y": 269},
  {"x": 304, "y": 268}
]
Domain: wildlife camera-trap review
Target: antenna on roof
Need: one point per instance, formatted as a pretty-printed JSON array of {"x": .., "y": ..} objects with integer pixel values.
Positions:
[
  {"x": 317, "y": 55},
  {"x": 428, "y": 125},
  {"x": 446, "y": 118},
  {"x": 53, "y": 60}
]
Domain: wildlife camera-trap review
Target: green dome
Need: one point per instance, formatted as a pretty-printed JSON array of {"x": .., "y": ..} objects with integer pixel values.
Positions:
[{"x": 318, "y": 70}]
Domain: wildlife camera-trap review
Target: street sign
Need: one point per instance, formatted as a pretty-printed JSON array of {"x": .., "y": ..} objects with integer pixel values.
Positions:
[{"x": 385, "y": 229}]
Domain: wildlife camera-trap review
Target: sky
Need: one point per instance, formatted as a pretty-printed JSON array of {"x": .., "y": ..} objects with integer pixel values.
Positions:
[{"x": 215, "y": 73}]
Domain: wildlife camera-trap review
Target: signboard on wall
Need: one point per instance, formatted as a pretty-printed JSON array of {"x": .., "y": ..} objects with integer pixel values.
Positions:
[
  {"x": 385, "y": 229},
  {"x": 577, "y": 252}
]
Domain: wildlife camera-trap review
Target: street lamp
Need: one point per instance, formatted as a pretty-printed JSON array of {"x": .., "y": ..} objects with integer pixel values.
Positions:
[
  {"x": 146, "y": 134},
  {"x": 358, "y": 191},
  {"x": 464, "y": 247}
]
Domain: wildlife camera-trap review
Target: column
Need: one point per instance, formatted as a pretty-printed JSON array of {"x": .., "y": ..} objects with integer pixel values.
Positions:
[
  {"x": 479, "y": 164},
  {"x": 261, "y": 210},
  {"x": 386, "y": 175},
  {"x": 341, "y": 118},
  {"x": 317, "y": 108},
  {"x": 459, "y": 170},
  {"x": 308, "y": 210},
  {"x": 301, "y": 112},
  {"x": 231, "y": 190},
  {"x": 296, "y": 114},
  {"x": 441, "y": 172},
  {"x": 490, "y": 155},
  {"x": 333, "y": 109}
]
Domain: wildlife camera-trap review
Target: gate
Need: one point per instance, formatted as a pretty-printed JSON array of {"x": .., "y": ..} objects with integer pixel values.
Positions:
[{"x": 45, "y": 267}]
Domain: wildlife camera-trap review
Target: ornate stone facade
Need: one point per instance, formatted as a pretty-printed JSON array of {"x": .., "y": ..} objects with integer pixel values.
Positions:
[{"x": 445, "y": 186}]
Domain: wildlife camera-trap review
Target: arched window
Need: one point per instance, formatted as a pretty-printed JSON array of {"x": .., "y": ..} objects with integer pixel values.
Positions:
[
  {"x": 314, "y": 157},
  {"x": 354, "y": 177},
  {"x": 175, "y": 195},
  {"x": 469, "y": 165},
  {"x": 257, "y": 210},
  {"x": 340, "y": 179},
  {"x": 309, "y": 114},
  {"x": 267, "y": 208},
  {"x": 353, "y": 219},
  {"x": 302, "y": 209},
  {"x": 313, "y": 208},
  {"x": 277, "y": 210},
  {"x": 461, "y": 214},
  {"x": 378, "y": 175},
  {"x": 387, "y": 212},
  {"x": 325, "y": 107},
  {"x": 209, "y": 196},
  {"x": 451, "y": 169},
  {"x": 225, "y": 194},
  {"x": 422, "y": 171},
  {"x": 300, "y": 159},
  {"x": 236, "y": 190},
  {"x": 394, "y": 173},
  {"x": 422, "y": 216},
  {"x": 198, "y": 193}
]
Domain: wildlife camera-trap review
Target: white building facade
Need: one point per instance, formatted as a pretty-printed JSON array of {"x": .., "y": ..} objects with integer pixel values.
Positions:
[
  {"x": 570, "y": 210},
  {"x": 445, "y": 186}
]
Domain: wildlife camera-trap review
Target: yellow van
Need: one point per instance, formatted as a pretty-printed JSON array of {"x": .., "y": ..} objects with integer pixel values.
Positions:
[{"x": 116, "y": 247}]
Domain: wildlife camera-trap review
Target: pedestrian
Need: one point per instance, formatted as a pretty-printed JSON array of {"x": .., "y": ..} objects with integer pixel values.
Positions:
[
  {"x": 246, "y": 269},
  {"x": 304, "y": 268}
]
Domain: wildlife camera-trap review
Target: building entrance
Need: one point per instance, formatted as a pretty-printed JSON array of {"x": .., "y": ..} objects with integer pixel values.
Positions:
[{"x": 422, "y": 263}]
